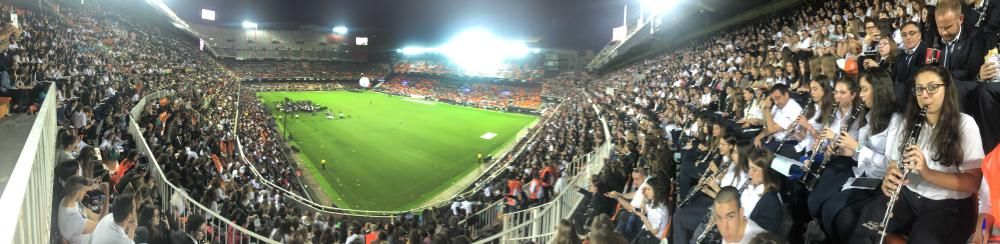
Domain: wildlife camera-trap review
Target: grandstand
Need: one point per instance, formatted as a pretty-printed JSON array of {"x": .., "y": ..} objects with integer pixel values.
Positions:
[
  {"x": 302, "y": 44},
  {"x": 714, "y": 121}
]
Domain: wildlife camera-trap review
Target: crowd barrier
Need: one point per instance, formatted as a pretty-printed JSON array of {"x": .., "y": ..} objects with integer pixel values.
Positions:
[
  {"x": 179, "y": 203},
  {"x": 27, "y": 198},
  {"x": 538, "y": 224}
]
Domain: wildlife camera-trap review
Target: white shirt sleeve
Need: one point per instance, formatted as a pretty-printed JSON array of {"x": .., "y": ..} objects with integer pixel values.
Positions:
[
  {"x": 985, "y": 207},
  {"x": 972, "y": 144},
  {"x": 786, "y": 116}
]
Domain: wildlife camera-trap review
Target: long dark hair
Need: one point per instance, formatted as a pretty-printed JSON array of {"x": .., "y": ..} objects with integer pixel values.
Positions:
[
  {"x": 946, "y": 137},
  {"x": 853, "y": 87},
  {"x": 827, "y": 103},
  {"x": 762, "y": 159},
  {"x": 883, "y": 100},
  {"x": 660, "y": 190},
  {"x": 743, "y": 148}
]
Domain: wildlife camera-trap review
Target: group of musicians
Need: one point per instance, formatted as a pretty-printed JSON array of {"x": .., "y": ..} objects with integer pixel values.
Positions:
[
  {"x": 855, "y": 164},
  {"x": 892, "y": 154}
]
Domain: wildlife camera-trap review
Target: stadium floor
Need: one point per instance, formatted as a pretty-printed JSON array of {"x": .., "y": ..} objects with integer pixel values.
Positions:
[{"x": 393, "y": 153}]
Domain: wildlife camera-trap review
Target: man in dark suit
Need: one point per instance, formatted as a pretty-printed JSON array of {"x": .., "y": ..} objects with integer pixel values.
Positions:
[
  {"x": 910, "y": 59},
  {"x": 982, "y": 15},
  {"x": 962, "y": 49},
  {"x": 963, "y": 56}
]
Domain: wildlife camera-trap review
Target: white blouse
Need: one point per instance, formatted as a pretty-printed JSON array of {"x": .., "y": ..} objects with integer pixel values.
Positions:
[
  {"x": 871, "y": 159},
  {"x": 972, "y": 146},
  {"x": 658, "y": 217},
  {"x": 749, "y": 198},
  {"x": 805, "y": 143},
  {"x": 733, "y": 176}
]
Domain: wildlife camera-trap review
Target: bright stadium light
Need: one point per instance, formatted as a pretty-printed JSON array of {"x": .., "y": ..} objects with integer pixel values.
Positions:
[
  {"x": 207, "y": 14},
  {"x": 414, "y": 50},
  {"x": 249, "y": 25},
  {"x": 478, "y": 51},
  {"x": 656, "y": 7},
  {"x": 340, "y": 30}
]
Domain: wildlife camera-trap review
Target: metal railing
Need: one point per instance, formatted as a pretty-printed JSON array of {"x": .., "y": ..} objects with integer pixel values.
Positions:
[
  {"x": 538, "y": 224},
  {"x": 27, "y": 198},
  {"x": 179, "y": 203}
]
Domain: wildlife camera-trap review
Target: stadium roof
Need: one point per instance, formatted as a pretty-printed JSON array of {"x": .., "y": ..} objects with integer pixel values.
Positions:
[{"x": 573, "y": 24}]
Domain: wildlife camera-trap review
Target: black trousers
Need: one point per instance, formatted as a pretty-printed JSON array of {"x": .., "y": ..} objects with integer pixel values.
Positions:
[
  {"x": 687, "y": 218},
  {"x": 920, "y": 219},
  {"x": 983, "y": 104},
  {"x": 787, "y": 149},
  {"x": 844, "y": 207},
  {"x": 836, "y": 173}
]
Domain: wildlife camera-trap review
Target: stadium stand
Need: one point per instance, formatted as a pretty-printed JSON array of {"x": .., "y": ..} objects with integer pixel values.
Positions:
[
  {"x": 488, "y": 95},
  {"x": 301, "y": 44},
  {"x": 527, "y": 69},
  {"x": 284, "y": 70}
]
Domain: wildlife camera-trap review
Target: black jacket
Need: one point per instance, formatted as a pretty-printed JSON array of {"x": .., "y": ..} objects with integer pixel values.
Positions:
[
  {"x": 965, "y": 56},
  {"x": 906, "y": 66},
  {"x": 769, "y": 212}
]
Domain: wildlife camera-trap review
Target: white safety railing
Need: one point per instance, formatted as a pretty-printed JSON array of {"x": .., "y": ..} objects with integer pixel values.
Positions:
[
  {"x": 27, "y": 198},
  {"x": 538, "y": 224},
  {"x": 221, "y": 229}
]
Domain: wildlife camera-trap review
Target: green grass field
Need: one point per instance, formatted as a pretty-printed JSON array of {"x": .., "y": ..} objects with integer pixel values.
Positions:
[{"x": 395, "y": 153}]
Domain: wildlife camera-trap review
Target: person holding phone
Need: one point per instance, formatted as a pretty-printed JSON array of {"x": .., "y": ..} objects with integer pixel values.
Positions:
[{"x": 76, "y": 222}]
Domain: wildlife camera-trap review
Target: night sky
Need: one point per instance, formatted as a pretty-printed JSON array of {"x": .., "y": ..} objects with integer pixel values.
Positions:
[{"x": 572, "y": 24}]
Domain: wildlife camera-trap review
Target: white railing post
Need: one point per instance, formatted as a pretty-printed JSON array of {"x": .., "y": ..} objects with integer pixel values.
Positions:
[{"x": 28, "y": 194}]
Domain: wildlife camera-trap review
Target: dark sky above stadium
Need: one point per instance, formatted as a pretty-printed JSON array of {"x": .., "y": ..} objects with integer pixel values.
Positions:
[{"x": 573, "y": 24}]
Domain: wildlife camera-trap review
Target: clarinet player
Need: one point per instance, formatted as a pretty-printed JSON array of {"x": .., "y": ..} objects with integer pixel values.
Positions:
[{"x": 935, "y": 203}]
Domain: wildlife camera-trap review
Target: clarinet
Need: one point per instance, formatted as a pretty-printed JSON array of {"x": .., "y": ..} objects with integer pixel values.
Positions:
[
  {"x": 810, "y": 182},
  {"x": 810, "y": 155},
  {"x": 711, "y": 226},
  {"x": 704, "y": 179},
  {"x": 794, "y": 127},
  {"x": 911, "y": 139}
]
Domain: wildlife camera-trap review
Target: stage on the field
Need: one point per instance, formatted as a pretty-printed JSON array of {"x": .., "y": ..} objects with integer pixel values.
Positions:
[{"x": 390, "y": 153}]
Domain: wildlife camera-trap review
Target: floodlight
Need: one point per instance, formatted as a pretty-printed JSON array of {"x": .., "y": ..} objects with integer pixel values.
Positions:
[
  {"x": 656, "y": 7},
  {"x": 207, "y": 14},
  {"x": 249, "y": 25},
  {"x": 413, "y": 50},
  {"x": 340, "y": 30}
]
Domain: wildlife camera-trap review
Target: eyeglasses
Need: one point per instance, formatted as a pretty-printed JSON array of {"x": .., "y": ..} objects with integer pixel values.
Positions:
[{"x": 931, "y": 89}]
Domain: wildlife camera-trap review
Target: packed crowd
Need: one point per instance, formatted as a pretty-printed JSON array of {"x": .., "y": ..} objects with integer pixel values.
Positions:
[
  {"x": 844, "y": 79},
  {"x": 500, "y": 96},
  {"x": 298, "y": 85},
  {"x": 520, "y": 70},
  {"x": 835, "y": 55},
  {"x": 272, "y": 69}
]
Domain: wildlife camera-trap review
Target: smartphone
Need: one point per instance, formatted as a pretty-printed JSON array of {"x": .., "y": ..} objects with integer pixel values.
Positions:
[
  {"x": 13, "y": 20},
  {"x": 97, "y": 153}
]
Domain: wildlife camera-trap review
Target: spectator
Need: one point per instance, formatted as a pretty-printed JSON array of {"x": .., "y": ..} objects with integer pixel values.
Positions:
[{"x": 118, "y": 227}]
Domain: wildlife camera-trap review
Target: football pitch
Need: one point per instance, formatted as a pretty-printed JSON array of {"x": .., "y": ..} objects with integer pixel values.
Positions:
[{"x": 392, "y": 153}]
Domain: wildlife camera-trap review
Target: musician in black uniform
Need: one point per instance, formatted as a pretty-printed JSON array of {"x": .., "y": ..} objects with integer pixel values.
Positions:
[
  {"x": 936, "y": 204},
  {"x": 693, "y": 204}
]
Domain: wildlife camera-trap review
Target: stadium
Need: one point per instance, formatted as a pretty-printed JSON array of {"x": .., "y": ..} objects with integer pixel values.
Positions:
[{"x": 623, "y": 121}]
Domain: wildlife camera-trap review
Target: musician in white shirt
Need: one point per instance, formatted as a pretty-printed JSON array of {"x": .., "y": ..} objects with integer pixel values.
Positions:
[
  {"x": 880, "y": 123},
  {"x": 777, "y": 119},
  {"x": 936, "y": 203}
]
